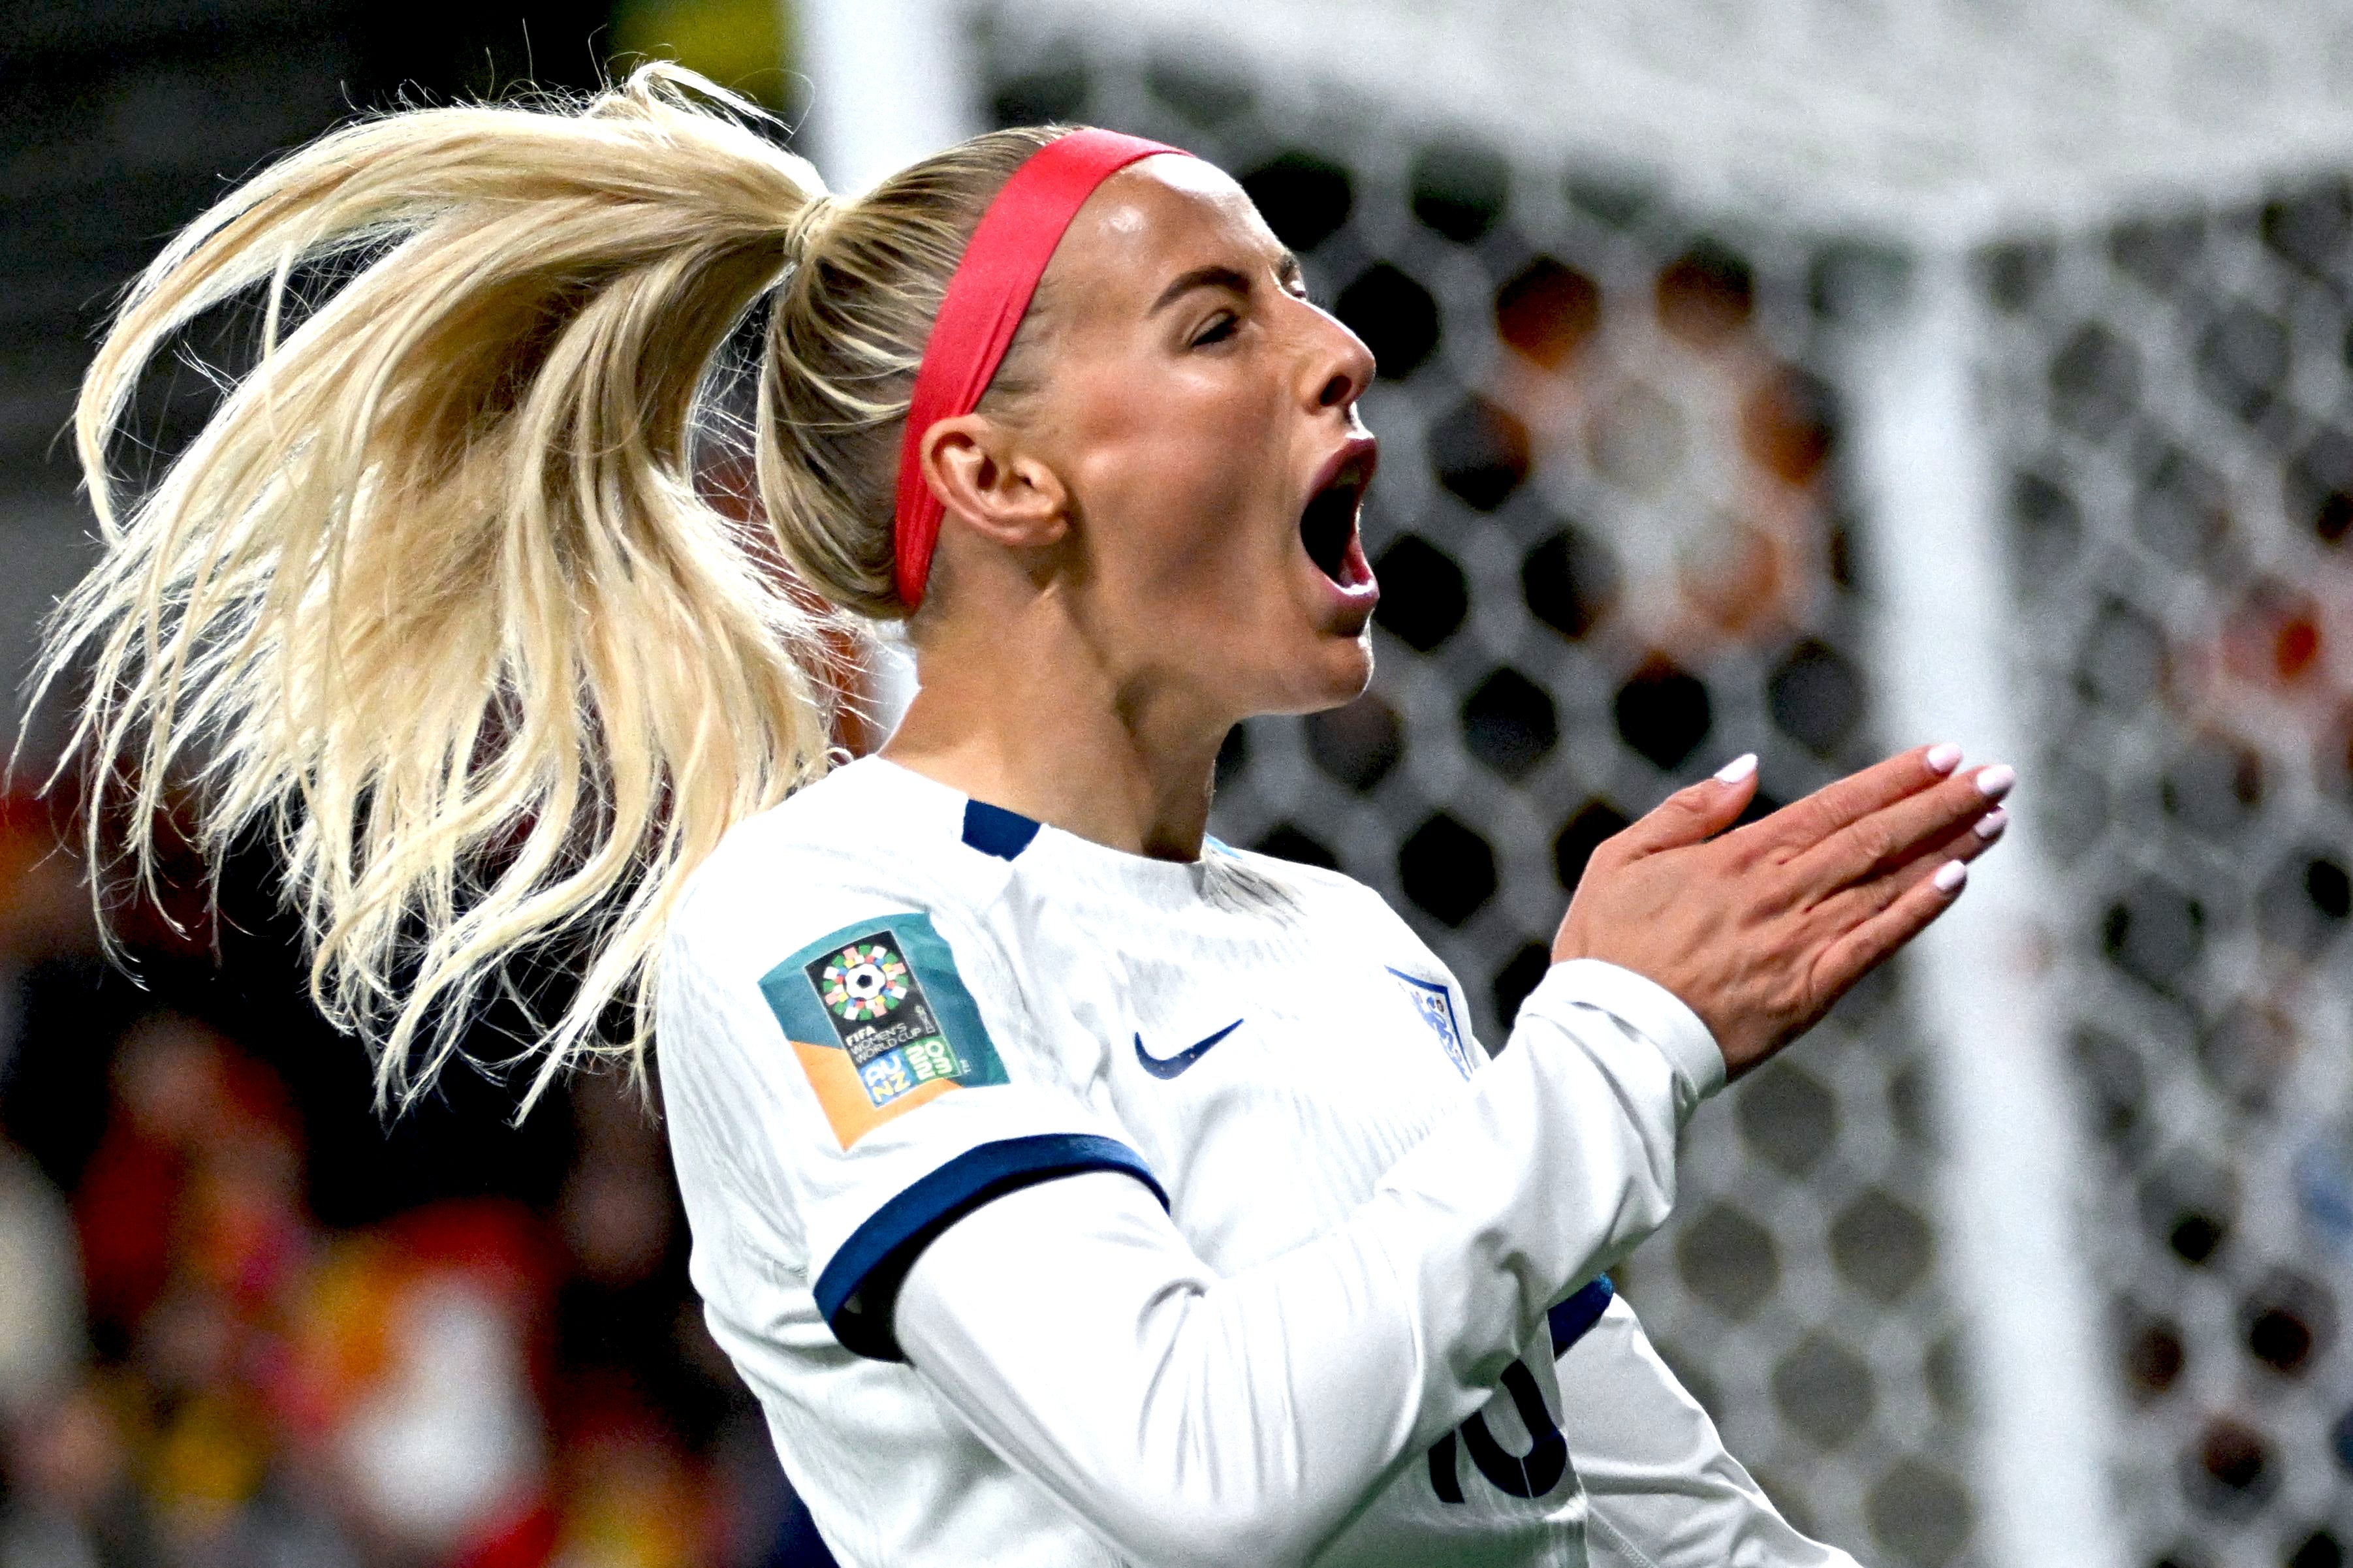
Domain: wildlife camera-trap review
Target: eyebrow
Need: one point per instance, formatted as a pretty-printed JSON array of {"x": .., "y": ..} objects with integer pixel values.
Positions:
[{"x": 1220, "y": 276}]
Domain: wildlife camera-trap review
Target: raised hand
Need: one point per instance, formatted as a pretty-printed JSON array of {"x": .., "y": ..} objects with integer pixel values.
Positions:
[{"x": 1760, "y": 929}]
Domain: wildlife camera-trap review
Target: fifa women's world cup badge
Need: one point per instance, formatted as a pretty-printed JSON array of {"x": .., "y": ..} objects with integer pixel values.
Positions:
[
  {"x": 863, "y": 981},
  {"x": 880, "y": 1021}
]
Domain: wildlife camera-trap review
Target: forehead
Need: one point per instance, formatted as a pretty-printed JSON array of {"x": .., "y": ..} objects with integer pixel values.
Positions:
[{"x": 1154, "y": 218}]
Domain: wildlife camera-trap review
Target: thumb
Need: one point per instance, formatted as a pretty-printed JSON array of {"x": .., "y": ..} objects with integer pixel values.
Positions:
[{"x": 1697, "y": 813}]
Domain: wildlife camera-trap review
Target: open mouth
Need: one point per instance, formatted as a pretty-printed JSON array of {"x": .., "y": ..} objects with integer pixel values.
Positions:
[{"x": 1327, "y": 528}]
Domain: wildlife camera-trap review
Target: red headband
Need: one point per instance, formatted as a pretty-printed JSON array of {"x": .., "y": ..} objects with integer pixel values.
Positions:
[{"x": 985, "y": 301}]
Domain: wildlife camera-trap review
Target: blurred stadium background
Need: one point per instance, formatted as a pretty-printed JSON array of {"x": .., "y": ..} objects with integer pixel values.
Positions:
[{"x": 1810, "y": 376}]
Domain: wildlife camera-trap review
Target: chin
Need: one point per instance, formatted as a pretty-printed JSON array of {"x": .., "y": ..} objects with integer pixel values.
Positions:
[
  {"x": 1357, "y": 668},
  {"x": 1334, "y": 674}
]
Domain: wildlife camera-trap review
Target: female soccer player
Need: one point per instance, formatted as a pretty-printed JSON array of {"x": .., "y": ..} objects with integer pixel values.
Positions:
[{"x": 1070, "y": 1188}]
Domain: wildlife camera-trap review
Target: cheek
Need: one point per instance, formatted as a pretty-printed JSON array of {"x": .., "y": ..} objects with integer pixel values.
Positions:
[{"x": 1192, "y": 501}]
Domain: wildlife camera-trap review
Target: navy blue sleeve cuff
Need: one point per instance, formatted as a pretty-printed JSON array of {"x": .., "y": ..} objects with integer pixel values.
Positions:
[
  {"x": 858, "y": 1289},
  {"x": 1573, "y": 1318}
]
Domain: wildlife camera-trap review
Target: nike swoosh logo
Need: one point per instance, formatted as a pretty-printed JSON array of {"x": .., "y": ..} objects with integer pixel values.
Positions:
[{"x": 1169, "y": 1067}]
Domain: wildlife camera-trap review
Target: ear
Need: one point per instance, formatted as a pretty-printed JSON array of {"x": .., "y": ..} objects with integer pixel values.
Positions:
[{"x": 988, "y": 483}]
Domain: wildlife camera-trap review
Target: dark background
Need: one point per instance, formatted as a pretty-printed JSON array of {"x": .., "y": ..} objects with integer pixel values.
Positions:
[{"x": 180, "y": 1135}]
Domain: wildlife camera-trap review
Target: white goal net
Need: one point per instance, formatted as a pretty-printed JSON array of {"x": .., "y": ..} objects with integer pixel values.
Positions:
[{"x": 1818, "y": 377}]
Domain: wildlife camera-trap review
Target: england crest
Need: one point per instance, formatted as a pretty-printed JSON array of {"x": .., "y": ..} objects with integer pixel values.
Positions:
[{"x": 1436, "y": 1005}]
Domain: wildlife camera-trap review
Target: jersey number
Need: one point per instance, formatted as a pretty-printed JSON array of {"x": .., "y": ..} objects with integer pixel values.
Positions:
[{"x": 1530, "y": 1475}]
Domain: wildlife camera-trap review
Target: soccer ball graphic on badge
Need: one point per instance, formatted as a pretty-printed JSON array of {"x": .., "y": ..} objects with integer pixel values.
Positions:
[{"x": 864, "y": 980}]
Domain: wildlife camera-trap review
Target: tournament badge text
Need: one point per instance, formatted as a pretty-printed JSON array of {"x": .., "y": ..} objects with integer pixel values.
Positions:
[{"x": 884, "y": 1020}]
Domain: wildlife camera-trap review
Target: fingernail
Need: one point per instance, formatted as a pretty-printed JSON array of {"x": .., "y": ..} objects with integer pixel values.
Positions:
[
  {"x": 1943, "y": 759},
  {"x": 1993, "y": 783},
  {"x": 1990, "y": 824},
  {"x": 1739, "y": 768},
  {"x": 1951, "y": 876}
]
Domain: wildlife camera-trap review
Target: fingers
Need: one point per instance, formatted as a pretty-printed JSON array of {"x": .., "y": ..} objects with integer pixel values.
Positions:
[
  {"x": 1896, "y": 833},
  {"x": 1835, "y": 806},
  {"x": 1852, "y": 906},
  {"x": 1922, "y": 898},
  {"x": 1885, "y": 913},
  {"x": 1696, "y": 813}
]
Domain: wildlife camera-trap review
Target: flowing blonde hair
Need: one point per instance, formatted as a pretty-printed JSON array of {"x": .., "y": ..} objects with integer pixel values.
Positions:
[{"x": 433, "y": 598}]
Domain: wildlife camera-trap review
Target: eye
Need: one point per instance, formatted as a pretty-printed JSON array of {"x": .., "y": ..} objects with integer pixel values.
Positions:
[{"x": 1221, "y": 328}]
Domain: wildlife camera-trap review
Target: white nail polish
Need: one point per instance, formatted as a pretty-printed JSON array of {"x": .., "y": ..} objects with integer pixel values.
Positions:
[
  {"x": 1993, "y": 783},
  {"x": 1990, "y": 824},
  {"x": 1944, "y": 758},
  {"x": 1739, "y": 768},
  {"x": 1951, "y": 876}
]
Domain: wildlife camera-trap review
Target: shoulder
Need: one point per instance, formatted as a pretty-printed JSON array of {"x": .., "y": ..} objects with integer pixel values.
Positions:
[
  {"x": 1321, "y": 893},
  {"x": 1312, "y": 881},
  {"x": 1353, "y": 915},
  {"x": 865, "y": 841}
]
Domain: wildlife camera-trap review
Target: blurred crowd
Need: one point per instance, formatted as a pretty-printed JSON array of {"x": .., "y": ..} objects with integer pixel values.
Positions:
[{"x": 485, "y": 1356}]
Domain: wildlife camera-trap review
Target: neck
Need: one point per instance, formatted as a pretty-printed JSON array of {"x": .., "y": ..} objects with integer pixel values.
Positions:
[{"x": 1032, "y": 714}]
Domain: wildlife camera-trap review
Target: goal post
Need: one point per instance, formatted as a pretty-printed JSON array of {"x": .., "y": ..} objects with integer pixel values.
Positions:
[{"x": 1818, "y": 379}]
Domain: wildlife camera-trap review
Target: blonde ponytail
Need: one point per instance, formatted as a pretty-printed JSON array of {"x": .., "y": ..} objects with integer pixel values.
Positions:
[{"x": 433, "y": 598}]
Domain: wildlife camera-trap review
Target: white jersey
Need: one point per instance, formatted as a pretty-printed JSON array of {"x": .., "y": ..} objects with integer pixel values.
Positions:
[{"x": 884, "y": 1006}]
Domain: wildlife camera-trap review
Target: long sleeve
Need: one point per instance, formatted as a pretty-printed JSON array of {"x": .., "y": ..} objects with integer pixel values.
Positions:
[
  {"x": 1664, "y": 1492},
  {"x": 1189, "y": 1418}
]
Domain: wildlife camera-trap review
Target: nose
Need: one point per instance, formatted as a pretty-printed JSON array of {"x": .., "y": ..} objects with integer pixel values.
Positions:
[{"x": 1337, "y": 367}]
